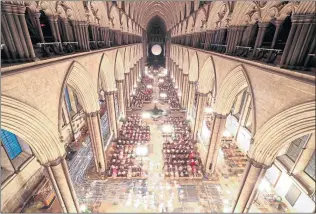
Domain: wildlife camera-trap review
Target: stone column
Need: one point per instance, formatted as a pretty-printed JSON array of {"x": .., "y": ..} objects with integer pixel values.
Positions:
[
  {"x": 127, "y": 90},
  {"x": 38, "y": 25},
  {"x": 184, "y": 97},
  {"x": 278, "y": 27},
  {"x": 19, "y": 30},
  {"x": 261, "y": 31},
  {"x": 201, "y": 102},
  {"x": 109, "y": 96},
  {"x": 215, "y": 142},
  {"x": 120, "y": 90},
  {"x": 191, "y": 97},
  {"x": 7, "y": 10},
  {"x": 52, "y": 27},
  {"x": 60, "y": 179},
  {"x": 93, "y": 120},
  {"x": 253, "y": 174}
]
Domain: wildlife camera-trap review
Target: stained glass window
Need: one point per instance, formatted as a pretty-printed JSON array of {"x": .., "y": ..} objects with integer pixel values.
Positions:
[
  {"x": 67, "y": 99},
  {"x": 296, "y": 147},
  {"x": 11, "y": 144}
]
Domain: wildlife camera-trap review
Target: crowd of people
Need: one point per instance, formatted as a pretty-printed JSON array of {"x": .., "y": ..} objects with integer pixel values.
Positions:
[
  {"x": 181, "y": 159},
  {"x": 171, "y": 93},
  {"x": 123, "y": 162},
  {"x": 143, "y": 93}
]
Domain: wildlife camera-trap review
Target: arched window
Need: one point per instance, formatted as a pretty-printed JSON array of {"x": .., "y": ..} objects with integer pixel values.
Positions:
[
  {"x": 185, "y": 11},
  {"x": 11, "y": 144},
  {"x": 67, "y": 98},
  {"x": 114, "y": 2}
]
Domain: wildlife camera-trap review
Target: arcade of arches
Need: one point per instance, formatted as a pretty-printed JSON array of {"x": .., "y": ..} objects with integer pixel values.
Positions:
[{"x": 158, "y": 106}]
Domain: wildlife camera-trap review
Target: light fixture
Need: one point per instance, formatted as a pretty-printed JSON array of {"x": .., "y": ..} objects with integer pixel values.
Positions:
[
  {"x": 149, "y": 86},
  {"x": 155, "y": 101},
  {"x": 163, "y": 95},
  {"x": 146, "y": 115},
  {"x": 161, "y": 80},
  {"x": 179, "y": 94},
  {"x": 83, "y": 208},
  {"x": 226, "y": 134},
  {"x": 167, "y": 128},
  {"x": 208, "y": 110},
  {"x": 141, "y": 150}
]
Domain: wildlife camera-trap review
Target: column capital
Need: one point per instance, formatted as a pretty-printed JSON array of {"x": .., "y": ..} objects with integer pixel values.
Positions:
[
  {"x": 93, "y": 114},
  {"x": 257, "y": 164},
  {"x": 185, "y": 75},
  {"x": 110, "y": 92},
  {"x": 119, "y": 81},
  {"x": 192, "y": 82},
  {"x": 220, "y": 116},
  {"x": 263, "y": 24},
  {"x": 55, "y": 162},
  {"x": 202, "y": 94},
  {"x": 36, "y": 15}
]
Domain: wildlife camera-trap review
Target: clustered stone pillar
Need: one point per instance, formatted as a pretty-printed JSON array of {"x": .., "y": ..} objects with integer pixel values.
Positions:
[
  {"x": 201, "y": 102},
  {"x": 253, "y": 174},
  {"x": 60, "y": 179},
  {"x": 120, "y": 91},
  {"x": 300, "y": 42},
  {"x": 191, "y": 97},
  {"x": 93, "y": 121},
  {"x": 184, "y": 96},
  {"x": 260, "y": 36},
  {"x": 15, "y": 34},
  {"x": 127, "y": 90},
  {"x": 215, "y": 142},
  {"x": 109, "y": 96}
]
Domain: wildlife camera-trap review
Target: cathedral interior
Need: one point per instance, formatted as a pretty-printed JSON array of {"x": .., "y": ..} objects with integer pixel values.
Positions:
[{"x": 158, "y": 106}]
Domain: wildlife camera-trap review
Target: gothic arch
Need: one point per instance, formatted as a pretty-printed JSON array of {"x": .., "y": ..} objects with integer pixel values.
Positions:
[
  {"x": 33, "y": 127},
  {"x": 186, "y": 65},
  {"x": 190, "y": 25},
  {"x": 194, "y": 68},
  {"x": 235, "y": 82},
  {"x": 281, "y": 130},
  {"x": 106, "y": 73},
  {"x": 207, "y": 79},
  {"x": 115, "y": 17},
  {"x": 180, "y": 58},
  {"x": 119, "y": 66},
  {"x": 81, "y": 81},
  {"x": 126, "y": 60},
  {"x": 199, "y": 20}
]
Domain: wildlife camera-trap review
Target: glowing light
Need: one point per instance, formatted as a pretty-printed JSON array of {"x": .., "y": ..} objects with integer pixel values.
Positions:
[
  {"x": 156, "y": 50},
  {"x": 83, "y": 207},
  {"x": 208, "y": 110},
  {"x": 155, "y": 101},
  {"x": 146, "y": 115},
  {"x": 161, "y": 80},
  {"x": 163, "y": 95},
  {"x": 179, "y": 94},
  {"x": 141, "y": 150},
  {"x": 167, "y": 128},
  {"x": 264, "y": 186},
  {"x": 226, "y": 134},
  {"x": 149, "y": 86}
]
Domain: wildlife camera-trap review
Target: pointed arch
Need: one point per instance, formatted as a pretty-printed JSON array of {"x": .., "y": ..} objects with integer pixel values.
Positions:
[
  {"x": 207, "y": 77},
  {"x": 235, "y": 82},
  {"x": 126, "y": 60},
  {"x": 186, "y": 60},
  {"x": 106, "y": 73},
  {"x": 200, "y": 18},
  {"x": 119, "y": 66},
  {"x": 33, "y": 127},
  {"x": 180, "y": 58},
  {"x": 81, "y": 81},
  {"x": 281, "y": 130},
  {"x": 194, "y": 68},
  {"x": 115, "y": 16}
]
